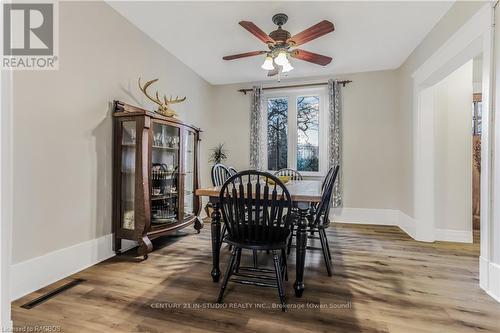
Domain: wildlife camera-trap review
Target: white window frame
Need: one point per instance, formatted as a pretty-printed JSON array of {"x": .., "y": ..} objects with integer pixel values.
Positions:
[{"x": 292, "y": 95}]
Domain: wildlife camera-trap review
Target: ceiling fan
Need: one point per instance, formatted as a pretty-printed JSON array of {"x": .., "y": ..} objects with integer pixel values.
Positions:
[{"x": 282, "y": 45}]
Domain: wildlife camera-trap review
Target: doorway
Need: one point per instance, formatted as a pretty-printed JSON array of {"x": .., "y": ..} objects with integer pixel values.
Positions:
[
  {"x": 452, "y": 161},
  {"x": 475, "y": 38}
]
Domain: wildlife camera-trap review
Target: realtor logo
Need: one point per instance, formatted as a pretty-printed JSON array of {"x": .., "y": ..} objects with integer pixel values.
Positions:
[{"x": 29, "y": 36}]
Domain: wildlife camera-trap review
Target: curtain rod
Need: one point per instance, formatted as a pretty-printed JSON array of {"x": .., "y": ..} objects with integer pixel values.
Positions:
[{"x": 343, "y": 83}]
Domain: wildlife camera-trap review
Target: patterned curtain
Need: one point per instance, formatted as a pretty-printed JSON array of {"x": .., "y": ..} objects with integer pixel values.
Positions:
[
  {"x": 335, "y": 137},
  {"x": 256, "y": 123}
]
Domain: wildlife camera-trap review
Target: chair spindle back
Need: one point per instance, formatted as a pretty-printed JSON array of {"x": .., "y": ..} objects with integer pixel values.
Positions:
[
  {"x": 293, "y": 174},
  {"x": 220, "y": 173},
  {"x": 323, "y": 208},
  {"x": 254, "y": 209},
  {"x": 232, "y": 170}
]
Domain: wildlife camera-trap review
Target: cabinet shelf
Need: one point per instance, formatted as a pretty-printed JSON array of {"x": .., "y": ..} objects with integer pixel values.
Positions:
[
  {"x": 166, "y": 148},
  {"x": 165, "y": 196}
]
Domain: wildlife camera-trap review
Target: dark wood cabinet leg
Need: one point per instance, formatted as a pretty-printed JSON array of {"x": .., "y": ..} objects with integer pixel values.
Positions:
[
  {"x": 215, "y": 226},
  {"x": 145, "y": 246},
  {"x": 198, "y": 224},
  {"x": 300, "y": 253},
  {"x": 117, "y": 245}
]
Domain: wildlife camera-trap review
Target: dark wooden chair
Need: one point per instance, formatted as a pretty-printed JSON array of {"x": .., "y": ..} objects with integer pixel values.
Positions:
[
  {"x": 232, "y": 170},
  {"x": 320, "y": 220},
  {"x": 293, "y": 174},
  {"x": 255, "y": 215},
  {"x": 220, "y": 173}
]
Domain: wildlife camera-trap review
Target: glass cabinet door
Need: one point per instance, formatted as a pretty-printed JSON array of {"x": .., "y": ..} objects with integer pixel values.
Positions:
[
  {"x": 164, "y": 175},
  {"x": 189, "y": 168},
  {"x": 128, "y": 151}
]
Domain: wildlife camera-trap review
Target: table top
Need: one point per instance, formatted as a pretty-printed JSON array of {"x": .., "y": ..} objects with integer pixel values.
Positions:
[{"x": 300, "y": 190}]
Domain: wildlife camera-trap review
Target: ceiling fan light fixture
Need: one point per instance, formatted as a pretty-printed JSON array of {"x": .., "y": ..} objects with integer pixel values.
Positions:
[
  {"x": 268, "y": 64},
  {"x": 281, "y": 59},
  {"x": 287, "y": 67}
]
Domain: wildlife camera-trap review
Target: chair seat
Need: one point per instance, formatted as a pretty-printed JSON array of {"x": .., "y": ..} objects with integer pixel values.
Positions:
[{"x": 277, "y": 240}]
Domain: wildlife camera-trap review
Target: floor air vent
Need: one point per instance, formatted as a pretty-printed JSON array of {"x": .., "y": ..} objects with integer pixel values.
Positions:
[{"x": 51, "y": 294}]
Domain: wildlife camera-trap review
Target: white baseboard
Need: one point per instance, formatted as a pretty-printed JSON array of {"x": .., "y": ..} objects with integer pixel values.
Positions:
[
  {"x": 483, "y": 273},
  {"x": 407, "y": 224},
  {"x": 494, "y": 281},
  {"x": 446, "y": 235},
  {"x": 391, "y": 217},
  {"x": 365, "y": 216},
  {"x": 397, "y": 218},
  {"x": 39, "y": 272}
]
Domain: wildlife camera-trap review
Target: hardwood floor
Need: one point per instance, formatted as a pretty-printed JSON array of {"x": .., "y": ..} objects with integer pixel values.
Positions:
[{"x": 383, "y": 282}]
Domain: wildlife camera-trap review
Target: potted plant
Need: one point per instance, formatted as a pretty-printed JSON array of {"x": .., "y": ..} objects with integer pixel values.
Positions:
[{"x": 218, "y": 154}]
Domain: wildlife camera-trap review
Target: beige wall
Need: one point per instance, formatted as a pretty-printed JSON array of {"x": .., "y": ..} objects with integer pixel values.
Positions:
[
  {"x": 372, "y": 150},
  {"x": 458, "y": 14},
  {"x": 453, "y": 150},
  {"x": 62, "y": 125}
]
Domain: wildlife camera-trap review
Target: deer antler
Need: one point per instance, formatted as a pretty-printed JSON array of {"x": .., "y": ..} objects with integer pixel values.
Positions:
[
  {"x": 173, "y": 101},
  {"x": 163, "y": 105},
  {"x": 144, "y": 90}
]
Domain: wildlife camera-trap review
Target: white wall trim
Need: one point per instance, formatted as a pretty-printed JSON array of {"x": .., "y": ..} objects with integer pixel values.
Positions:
[
  {"x": 407, "y": 224},
  {"x": 494, "y": 281},
  {"x": 6, "y": 191},
  {"x": 448, "y": 235},
  {"x": 39, "y": 272},
  {"x": 393, "y": 217},
  {"x": 365, "y": 216},
  {"x": 483, "y": 272},
  {"x": 471, "y": 31}
]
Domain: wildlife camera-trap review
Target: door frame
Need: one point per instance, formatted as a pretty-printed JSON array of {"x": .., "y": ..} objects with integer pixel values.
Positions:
[{"x": 473, "y": 38}]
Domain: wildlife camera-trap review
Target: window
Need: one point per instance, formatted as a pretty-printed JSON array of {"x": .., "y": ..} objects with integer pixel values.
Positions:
[
  {"x": 277, "y": 133},
  {"x": 295, "y": 131},
  {"x": 308, "y": 133}
]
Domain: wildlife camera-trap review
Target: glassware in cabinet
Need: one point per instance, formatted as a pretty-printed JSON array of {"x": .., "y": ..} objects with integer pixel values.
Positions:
[{"x": 164, "y": 174}]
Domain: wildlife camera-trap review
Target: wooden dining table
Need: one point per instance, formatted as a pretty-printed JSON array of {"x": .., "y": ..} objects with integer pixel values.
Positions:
[{"x": 300, "y": 191}]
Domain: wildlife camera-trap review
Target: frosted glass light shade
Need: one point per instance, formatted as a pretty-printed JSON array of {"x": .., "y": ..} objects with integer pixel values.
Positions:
[
  {"x": 268, "y": 64},
  {"x": 281, "y": 59},
  {"x": 287, "y": 67}
]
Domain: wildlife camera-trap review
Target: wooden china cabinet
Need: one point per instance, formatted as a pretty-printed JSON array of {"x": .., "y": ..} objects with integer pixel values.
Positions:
[{"x": 155, "y": 173}]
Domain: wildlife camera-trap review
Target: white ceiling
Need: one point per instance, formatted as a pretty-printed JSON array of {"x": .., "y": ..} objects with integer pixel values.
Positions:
[{"x": 368, "y": 35}]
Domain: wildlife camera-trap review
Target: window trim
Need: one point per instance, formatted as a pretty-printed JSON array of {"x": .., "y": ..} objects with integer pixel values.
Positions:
[{"x": 291, "y": 95}]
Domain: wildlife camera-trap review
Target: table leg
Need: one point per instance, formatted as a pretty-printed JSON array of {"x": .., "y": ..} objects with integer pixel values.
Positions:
[
  {"x": 301, "y": 253},
  {"x": 215, "y": 228}
]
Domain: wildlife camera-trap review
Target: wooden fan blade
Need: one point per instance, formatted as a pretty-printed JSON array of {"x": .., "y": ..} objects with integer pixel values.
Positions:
[
  {"x": 273, "y": 72},
  {"x": 317, "y": 30},
  {"x": 311, "y": 57},
  {"x": 257, "y": 32},
  {"x": 243, "y": 55}
]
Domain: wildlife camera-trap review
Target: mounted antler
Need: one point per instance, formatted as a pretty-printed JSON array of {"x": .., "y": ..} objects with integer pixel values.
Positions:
[{"x": 163, "y": 108}]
